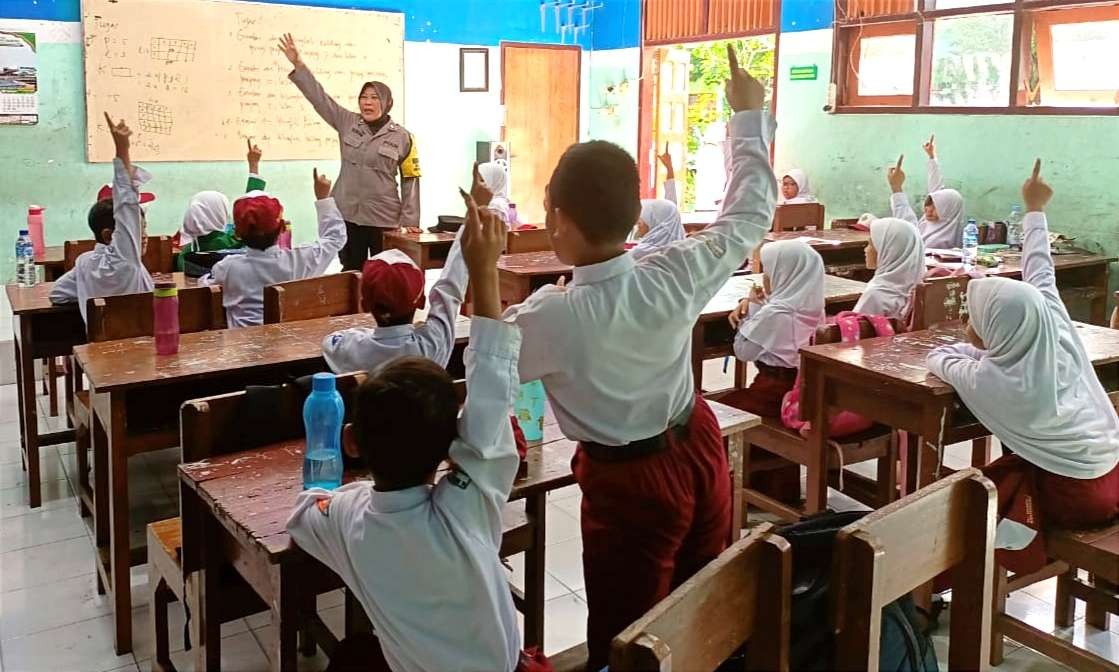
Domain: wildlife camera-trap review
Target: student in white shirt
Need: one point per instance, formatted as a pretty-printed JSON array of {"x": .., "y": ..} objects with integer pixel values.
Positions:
[
  {"x": 659, "y": 222},
  {"x": 420, "y": 555},
  {"x": 795, "y": 187},
  {"x": 612, "y": 349},
  {"x": 1026, "y": 376},
  {"x": 115, "y": 265},
  {"x": 942, "y": 225},
  {"x": 897, "y": 256},
  {"x": 258, "y": 221}
]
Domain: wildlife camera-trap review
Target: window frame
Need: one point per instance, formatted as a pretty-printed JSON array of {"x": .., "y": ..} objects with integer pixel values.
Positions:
[{"x": 1028, "y": 15}]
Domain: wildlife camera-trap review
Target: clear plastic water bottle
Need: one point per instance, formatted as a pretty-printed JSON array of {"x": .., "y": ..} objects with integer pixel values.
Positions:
[
  {"x": 971, "y": 242},
  {"x": 1014, "y": 227},
  {"x": 165, "y": 318},
  {"x": 27, "y": 274},
  {"x": 322, "y": 419}
]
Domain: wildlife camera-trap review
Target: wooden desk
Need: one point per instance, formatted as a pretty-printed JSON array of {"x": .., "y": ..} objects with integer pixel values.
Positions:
[
  {"x": 860, "y": 376},
  {"x": 428, "y": 250},
  {"x": 519, "y": 275},
  {"x": 134, "y": 406},
  {"x": 1081, "y": 276},
  {"x": 528, "y": 240},
  {"x": 53, "y": 262},
  {"x": 234, "y": 510},
  {"x": 713, "y": 336},
  {"x": 842, "y": 252},
  {"x": 42, "y": 329}
]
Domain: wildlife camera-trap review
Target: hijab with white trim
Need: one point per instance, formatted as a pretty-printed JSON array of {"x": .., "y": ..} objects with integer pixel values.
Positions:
[
  {"x": 946, "y": 232},
  {"x": 901, "y": 265},
  {"x": 795, "y": 305},
  {"x": 1035, "y": 388},
  {"x": 663, "y": 219},
  {"x": 207, "y": 212},
  {"x": 804, "y": 190}
]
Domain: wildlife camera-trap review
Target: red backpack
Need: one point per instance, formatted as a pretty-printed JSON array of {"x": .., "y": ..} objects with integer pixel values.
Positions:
[{"x": 842, "y": 423}]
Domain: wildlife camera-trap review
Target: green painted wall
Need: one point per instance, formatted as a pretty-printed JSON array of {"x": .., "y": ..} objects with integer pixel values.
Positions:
[{"x": 985, "y": 157}]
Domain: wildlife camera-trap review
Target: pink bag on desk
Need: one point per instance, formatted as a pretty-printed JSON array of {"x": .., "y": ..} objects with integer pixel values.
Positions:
[{"x": 842, "y": 423}]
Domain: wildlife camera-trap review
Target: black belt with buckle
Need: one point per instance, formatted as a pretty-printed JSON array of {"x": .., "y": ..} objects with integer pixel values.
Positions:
[{"x": 634, "y": 449}]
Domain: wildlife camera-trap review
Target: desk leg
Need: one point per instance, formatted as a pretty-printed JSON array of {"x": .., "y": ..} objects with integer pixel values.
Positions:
[
  {"x": 736, "y": 447},
  {"x": 28, "y": 415},
  {"x": 535, "y": 507},
  {"x": 816, "y": 497},
  {"x": 99, "y": 449},
  {"x": 202, "y": 586},
  {"x": 1099, "y": 303},
  {"x": 284, "y": 655},
  {"x": 120, "y": 550}
]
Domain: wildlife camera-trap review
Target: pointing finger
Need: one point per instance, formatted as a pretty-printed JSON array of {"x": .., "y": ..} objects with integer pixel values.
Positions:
[
  {"x": 900, "y": 159},
  {"x": 1037, "y": 168},
  {"x": 733, "y": 58}
]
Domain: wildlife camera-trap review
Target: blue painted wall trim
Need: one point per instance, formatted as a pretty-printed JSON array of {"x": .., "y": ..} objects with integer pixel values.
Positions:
[{"x": 799, "y": 15}]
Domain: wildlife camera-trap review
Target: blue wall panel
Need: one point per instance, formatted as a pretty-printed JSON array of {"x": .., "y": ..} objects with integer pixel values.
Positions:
[{"x": 798, "y": 15}]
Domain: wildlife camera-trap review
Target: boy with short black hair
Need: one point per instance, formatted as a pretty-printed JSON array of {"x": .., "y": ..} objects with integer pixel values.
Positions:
[
  {"x": 115, "y": 265},
  {"x": 613, "y": 351},
  {"x": 420, "y": 555},
  {"x": 258, "y": 221}
]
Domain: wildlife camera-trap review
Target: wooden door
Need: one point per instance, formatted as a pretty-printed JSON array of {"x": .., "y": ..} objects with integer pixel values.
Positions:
[
  {"x": 540, "y": 91},
  {"x": 671, "y": 123}
]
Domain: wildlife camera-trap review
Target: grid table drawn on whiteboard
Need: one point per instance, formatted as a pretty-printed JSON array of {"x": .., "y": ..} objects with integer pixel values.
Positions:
[
  {"x": 173, "y": 51},
  {"x": 154, "y": 118}
]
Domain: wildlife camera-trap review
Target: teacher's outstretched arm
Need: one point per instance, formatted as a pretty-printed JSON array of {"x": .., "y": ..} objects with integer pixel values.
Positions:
[{"x": 331, "y": 112}]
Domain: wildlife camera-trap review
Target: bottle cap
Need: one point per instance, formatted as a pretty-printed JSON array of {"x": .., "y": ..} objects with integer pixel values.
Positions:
[
  {"x": 35, "y": 209},
  {"x": 24, "y": 232},
  {"x": 322, "y": 382},
  {"x": 165, "y": 289}
]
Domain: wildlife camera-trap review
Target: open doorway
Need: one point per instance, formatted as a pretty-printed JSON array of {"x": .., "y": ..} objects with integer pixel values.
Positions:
[{"x": 685, "y": 111}]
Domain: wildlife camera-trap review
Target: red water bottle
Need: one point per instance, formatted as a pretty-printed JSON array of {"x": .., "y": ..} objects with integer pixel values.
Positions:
[
  {"x": 35, "y": 228},
  {"x": 165, "y": 318}
]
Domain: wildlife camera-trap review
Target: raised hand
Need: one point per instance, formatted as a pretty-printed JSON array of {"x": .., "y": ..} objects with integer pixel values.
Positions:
[
  {"x": 322, "y": 185},
  {"x": 666, "y": 161},
  {"x": 287, "y": 45},
  {"x": 930, "y": 146},
  {"x": 122, "y": 135},
  {"x": 1035, "y": 192},
  {"x": 743, "y": 91},
  {"x": 896, "y": 176},
  {"x": 478, "y": 189},
  {"x": 253, "y": 156},
  {"x": 483, "y": 239}
]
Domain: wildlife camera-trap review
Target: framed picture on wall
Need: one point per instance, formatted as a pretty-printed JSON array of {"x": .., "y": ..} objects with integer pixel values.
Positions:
[{"x": 473, "y": 70}]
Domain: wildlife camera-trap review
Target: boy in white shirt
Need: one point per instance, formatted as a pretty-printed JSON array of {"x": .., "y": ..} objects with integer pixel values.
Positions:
[
  {"x": 115, "y": 264},
  {"x": 258, "y": 222},
  {"x": 613, "y": 351},
  {"x": 422, "y": 557}
]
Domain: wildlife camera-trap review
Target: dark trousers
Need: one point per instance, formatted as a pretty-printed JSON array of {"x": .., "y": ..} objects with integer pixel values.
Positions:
[{"x": 362, "y": 242}]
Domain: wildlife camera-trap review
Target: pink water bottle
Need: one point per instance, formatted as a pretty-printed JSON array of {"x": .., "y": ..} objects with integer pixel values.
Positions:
[
  {"x": 35, "y": 228},
  {"x": 165, "y": 318}
]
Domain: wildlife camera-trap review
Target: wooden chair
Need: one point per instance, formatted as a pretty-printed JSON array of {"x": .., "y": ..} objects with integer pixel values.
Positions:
[
  {"x": 528, "y": 240},
  {"x": 945, "y": 528},
  {"x": 772, "y": 440},
  {"x": 113, "y": 318},
  {"x": 1093, "y": 551},
  {"x": 798, "y": 216},
  {"x": 1115, "y": 313},
  {"x": 844, "y": 223},
  {"x": 157, "y": 255},
  {"x": 324, "y": 296},
  {"x": 740, "y": 597}
]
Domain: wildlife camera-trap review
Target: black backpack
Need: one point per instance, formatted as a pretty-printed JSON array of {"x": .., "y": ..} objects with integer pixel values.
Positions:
[{"x": 905, "y": 645}]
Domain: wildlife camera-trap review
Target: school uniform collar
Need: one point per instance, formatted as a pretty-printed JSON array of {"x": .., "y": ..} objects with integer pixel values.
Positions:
[
  {"x": 395, "y": 501},
  {"x": 603, "y": 270},
  {"x": 392, "y": 333},
  {"x": 270, "y": 252}
]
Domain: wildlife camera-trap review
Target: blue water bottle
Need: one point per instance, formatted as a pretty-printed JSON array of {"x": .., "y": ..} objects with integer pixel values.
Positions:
[{"x": 322, "y": 419}]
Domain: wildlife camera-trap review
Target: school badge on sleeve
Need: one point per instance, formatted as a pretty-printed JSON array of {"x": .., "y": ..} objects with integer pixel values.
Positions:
[{"x": 323, "y": 505}]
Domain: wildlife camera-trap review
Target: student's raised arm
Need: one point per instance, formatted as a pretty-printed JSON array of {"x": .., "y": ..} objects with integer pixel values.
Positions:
[
  {"x": 437, "y": 334},
  {"x": 669, "y": 176},
  {"x": 1037, "y": 262},
  {"x": 255, "y": 181},
  {"x": 313, "y": 260},
  {"x": 329, "y": 109},
  {"x": 899, "y": 202},
  {"x": 936, "y": 179},
  {"x": 128, "y": 234}
]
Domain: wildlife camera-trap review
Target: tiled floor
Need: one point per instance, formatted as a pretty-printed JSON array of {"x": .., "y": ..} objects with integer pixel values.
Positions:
[{"x": 52, "y": 619}]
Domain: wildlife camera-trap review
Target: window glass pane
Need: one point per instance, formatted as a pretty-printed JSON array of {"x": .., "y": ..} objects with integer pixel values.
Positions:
[
  {"x": 886, "y": 65},
  {"x": 1084, "y": 56},
  {"x": 971, "y": 61}
]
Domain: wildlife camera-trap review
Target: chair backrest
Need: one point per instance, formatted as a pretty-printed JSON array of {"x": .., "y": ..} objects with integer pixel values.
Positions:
[
  {"x": 844, "y": 222},
  {"x": 741, "y": 596},
  {"x": 111, "y": 318},
  {"x": 947, "y": 527},
  {"x": 798, "y": 216},
  {"x": 157, "y": 255},
  {"x": 324, "y": 296},
  {"x": 938, "y": 300},
  {"x": 528, "y": 240},
  {"x": 829, "y": 333}
]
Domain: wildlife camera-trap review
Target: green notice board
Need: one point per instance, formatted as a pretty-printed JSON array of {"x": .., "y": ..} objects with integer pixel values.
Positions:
[{"x": 803, "y": 73}]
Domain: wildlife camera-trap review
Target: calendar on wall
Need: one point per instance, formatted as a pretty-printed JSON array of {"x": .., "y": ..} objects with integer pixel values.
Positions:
[{"x": 19, "y": 78}]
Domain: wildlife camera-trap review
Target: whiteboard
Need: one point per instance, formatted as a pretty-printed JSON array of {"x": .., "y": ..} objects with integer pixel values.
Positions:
[{"x": 194, "y": 78}]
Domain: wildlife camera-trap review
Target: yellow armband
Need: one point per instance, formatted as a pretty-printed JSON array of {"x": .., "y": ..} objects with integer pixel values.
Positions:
[{"x": 410, "y": 166}]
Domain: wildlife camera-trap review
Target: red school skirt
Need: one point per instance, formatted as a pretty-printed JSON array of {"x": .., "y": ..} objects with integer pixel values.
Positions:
[{"x": 1032, "y": 497}]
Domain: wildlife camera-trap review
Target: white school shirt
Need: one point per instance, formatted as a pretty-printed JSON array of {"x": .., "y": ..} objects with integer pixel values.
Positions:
[
  {"x": 947, "y": 232},
  {"x": 1035, "y": 389},
  {"x": 243, "y": 277},
  {"x": 116, "y": 268},
  {"x": 364, "y": 349},
  {"x": 424, "y": 561},
  {"x": 613, "y": 347}
]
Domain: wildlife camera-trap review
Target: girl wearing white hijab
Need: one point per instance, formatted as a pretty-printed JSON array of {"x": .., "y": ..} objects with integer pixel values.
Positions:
[
  {"x": 1027, "y": 378},
  {"x": 659, "y": 223},
  {"x": 942, "y": 226},
  {"x": 897, "y": 256},
  {"x": 496, "y": 179},
  {"x": 795, "y": 187}
]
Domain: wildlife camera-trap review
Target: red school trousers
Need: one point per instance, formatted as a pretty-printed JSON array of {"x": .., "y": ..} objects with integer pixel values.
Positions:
[{"x": 650, "y": 523}]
